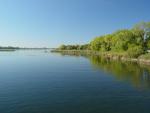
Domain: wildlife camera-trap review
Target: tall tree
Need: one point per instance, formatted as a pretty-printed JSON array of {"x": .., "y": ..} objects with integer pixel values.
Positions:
[{"x": 145, "y": 27}]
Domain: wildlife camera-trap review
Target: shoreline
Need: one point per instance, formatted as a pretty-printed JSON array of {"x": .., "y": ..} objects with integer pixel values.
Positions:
[
  {"x": 3, "y": 50},
  {"x": 107, "y": 55}
]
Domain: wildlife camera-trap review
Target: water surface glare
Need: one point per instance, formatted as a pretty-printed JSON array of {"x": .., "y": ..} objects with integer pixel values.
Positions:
[{"x": 33, "y": 81}]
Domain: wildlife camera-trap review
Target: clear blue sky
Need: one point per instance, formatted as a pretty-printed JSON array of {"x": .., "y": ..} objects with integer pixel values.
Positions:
[{"x": 49, "y": 23}]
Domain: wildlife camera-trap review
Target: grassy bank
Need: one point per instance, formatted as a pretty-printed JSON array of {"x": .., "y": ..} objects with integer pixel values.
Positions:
[{"x": 144, "y": 58}]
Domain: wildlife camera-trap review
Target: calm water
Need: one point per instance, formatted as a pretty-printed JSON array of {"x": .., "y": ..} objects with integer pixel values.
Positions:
[{"x": 39, "y": 82}]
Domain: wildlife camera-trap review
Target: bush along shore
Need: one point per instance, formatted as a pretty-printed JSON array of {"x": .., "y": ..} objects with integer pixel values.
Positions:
[{"x": 127, "y": 44}]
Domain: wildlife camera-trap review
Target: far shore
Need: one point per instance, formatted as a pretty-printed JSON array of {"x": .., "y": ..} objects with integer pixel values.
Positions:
[
  {"x": 7, "y": 50},
  {"x": 14, "y": 49}
]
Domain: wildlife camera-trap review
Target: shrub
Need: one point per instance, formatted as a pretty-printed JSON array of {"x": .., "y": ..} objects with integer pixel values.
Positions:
[
  {"x": 148, "y": 44},
  {"x": 135, "y": 51}
]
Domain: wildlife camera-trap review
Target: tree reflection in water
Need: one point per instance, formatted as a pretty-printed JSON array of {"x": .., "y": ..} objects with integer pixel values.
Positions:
[{"x": 137, "y": 75}]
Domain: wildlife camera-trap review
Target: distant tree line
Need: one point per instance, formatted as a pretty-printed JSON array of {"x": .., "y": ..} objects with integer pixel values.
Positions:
[
  {"x": 9, "y": 47},
  {"x": 133, "y": 41}
]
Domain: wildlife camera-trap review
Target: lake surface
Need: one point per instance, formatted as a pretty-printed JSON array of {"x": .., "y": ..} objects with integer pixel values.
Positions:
[{"x": 32, "y": 81}]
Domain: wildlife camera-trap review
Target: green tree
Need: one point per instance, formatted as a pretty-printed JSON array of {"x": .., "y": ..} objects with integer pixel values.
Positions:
[
  {"x": 62, "y": 47},
  {"x": 121, "y": 39},
  {"x": 135, "y": 50},
  {"x": 148, "y": 44},
  {"x": 97, "y": 43},
  {"x": 145, "y": 27}
]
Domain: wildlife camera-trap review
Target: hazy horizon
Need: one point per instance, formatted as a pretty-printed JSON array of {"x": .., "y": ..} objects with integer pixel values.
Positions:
[{"x": 49, "y": 23}]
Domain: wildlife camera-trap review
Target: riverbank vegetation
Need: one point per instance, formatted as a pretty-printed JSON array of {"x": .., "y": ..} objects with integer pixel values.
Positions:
[{"x": 126, "y": 42}]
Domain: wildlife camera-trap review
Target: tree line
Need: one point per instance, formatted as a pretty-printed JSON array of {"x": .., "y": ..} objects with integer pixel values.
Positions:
[
  {"x": 9, "y": 47},
  {"x": 133, "y": 42}
]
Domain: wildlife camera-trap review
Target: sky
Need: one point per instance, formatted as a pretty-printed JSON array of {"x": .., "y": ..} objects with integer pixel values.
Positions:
[{"x": 50, "y": 23}]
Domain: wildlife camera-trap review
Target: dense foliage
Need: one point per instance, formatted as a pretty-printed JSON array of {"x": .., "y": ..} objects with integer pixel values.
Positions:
[
  {"x": 133, "y": 42},
  {"x": 75, "y": 47}
]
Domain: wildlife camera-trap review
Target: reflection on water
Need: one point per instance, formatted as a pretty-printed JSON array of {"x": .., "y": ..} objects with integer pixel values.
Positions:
[
  {"x": 132, "y": 72},
  {"x": 136, "y": 74},
  {"x": 34, "y": 81}
]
